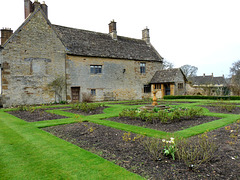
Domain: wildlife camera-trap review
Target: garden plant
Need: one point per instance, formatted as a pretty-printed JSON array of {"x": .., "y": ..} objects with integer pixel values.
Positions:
[{"x": 54, "y": 149}]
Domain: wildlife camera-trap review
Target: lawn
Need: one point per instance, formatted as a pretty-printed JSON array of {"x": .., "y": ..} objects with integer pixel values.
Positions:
[{"x": 28, "y": 152}]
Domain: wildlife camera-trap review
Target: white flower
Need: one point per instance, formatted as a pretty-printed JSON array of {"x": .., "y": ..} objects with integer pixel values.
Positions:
[{"x": 163, "y": 140}]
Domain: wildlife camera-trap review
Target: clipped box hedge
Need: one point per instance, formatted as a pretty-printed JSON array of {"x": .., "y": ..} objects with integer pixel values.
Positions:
[{"x": 204, "y": 97}]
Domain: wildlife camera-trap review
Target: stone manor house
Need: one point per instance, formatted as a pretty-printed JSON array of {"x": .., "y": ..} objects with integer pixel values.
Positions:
[{"x": 42, "y": 63}]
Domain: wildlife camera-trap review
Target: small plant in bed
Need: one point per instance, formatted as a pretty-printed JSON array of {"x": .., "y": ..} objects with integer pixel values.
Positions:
[
  {"x": 192, "y": 152},
  {"x": 26, "y": 108},
  {"x": 163, "y": 116},
  {"x": 86, "y": 107},
  {"x": 224, "y": 106}
]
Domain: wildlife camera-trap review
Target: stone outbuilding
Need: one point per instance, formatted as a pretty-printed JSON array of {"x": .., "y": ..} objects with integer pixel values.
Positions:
[
  {"x": 208, "y": 85},
  {"x": 169, "y": 82},
  {"x": 43, "y": 63}
]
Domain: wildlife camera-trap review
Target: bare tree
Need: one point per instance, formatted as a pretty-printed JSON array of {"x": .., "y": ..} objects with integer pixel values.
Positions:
[
  {"x": 57, "y": 86},
  {"x": 235, "y": 78},
  {"x": 189, "y": 70},
  {"x": 167, "y": 64}
]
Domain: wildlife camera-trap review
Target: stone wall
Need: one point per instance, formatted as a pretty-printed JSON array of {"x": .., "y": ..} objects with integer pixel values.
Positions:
[
  {"x": 119, "y": 80},
  {"x": 31, "y": 60},
  {"x": 180, "y": 79},
  {"x": 174, "y": 90}
]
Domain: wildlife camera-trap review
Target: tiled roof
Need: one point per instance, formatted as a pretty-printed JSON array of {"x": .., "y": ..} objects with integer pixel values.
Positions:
[
  {"x": 167, "y": 76},
  {"x": 207, "y": 80},
  {"x": 88, "y": 43}
]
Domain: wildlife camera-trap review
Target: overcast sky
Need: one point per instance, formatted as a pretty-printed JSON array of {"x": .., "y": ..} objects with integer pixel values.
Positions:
[{"x": 201, "y": 33}]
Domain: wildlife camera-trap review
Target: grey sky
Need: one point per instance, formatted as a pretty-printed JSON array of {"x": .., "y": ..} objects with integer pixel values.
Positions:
[{"x": 202, "y": 33}]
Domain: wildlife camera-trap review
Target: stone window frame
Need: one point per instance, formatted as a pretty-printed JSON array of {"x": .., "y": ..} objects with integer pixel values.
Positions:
[
  {"x": 142, "y": 68},
  {"x": 95, "y": 69},
  {"x": 93, "y": 92},
  {"x": 180, "y": 85}
]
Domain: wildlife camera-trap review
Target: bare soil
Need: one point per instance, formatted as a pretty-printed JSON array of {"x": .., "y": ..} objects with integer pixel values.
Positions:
[
  {"x": 216, "y": 109},
  {"x": 36, "y": 115},
  {"x": 168, "y": 127},
  {"x": 108, "y": 143},
  {"x": 159, "y": 103},
  {"x": 98, "y": 110}
]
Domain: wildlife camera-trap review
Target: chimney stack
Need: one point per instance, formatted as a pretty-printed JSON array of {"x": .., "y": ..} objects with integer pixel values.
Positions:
[
  {"x": 113, "y": 29},
  {"x": 145, "y": 35},
  {"x": 44, "y": 8},
  {"x": 5, "y": 34},
  {"x": 29, "y": 7}
]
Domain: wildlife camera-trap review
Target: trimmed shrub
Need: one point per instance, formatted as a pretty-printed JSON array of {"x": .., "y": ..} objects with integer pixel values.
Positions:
[{"x": 204, "y": 97}]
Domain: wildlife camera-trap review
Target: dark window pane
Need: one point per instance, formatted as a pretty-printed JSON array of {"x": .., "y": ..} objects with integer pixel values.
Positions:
[
  {"x": 94, "y": 69},
  {"x": 142, "y": 68},
  {"x": 93, "y": 92},
  {"x": 147, "y": 88}
]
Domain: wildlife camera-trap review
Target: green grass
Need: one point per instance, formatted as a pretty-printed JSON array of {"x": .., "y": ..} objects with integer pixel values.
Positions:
[{"x": 27, "y": 152}]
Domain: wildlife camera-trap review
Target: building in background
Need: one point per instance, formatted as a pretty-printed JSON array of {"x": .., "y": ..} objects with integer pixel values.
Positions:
[{"x": 42, "y": 63}]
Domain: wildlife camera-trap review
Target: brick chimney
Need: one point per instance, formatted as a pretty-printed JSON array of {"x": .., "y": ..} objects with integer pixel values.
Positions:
[
  {"x": 113, "y": 29},
  {"x": 5, "y": 34},
  {"x": 145, "y": 35},
  {"x": 29, "y": 7}
]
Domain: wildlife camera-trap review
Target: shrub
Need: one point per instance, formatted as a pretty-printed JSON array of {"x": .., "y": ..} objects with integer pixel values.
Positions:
[
  {"x": 87, "y": 97},
  {"x": 153, "y": 147},
  {"x": 224, "y": 106},
  {"x": 143, "y": 115},
  {"x": 163, "y": 116},
  {"x": 26, "y": 108},
  {"x": 86, "y": 107},
  {"x": 194, "y": 153},
  {"x": 63, "y": 102},
  {"x": 204, "y": 97},
  {"x": 130, "y": 112}
]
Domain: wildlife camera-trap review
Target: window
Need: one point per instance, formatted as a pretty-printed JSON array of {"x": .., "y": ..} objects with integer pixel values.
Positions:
[
  {"x": 147, "y": 88},
  {"x": 180, "y": 85},
  {"x": 142, "y": 68},
  {"x": 93, "y": 92},
  {"x": 157, "y": 86},
  {"x": 96, "y": 69}
]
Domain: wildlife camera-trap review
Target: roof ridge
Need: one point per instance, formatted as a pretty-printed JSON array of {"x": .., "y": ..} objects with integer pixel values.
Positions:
[{"x": 97, "y": 32}]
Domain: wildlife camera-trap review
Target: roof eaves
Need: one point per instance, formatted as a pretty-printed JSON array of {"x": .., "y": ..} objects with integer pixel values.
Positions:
[{"x": 75, "y": 54}]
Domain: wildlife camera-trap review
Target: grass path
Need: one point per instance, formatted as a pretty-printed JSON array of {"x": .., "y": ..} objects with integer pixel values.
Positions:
[{"x": 27, "y": 152}]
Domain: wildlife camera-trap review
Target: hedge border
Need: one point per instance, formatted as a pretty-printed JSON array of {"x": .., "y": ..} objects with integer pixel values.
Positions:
[{"x": 203, "y": 97}]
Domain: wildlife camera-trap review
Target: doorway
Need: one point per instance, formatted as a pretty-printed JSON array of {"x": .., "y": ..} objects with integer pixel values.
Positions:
[
  {"x": 167, "y": 89},
  {"x": 75, "y": 94}
]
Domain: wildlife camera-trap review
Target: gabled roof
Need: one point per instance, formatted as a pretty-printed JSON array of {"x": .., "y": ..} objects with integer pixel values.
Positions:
[
  {"x": 167, "y": 76},
  {"x": 88, "y": 43},
  {"x": 207, "y": 80},
  {"x": 24, "y": 23}
]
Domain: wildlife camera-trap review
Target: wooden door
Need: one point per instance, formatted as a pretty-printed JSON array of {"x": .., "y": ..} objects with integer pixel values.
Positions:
[{"x": 75, "y": 94}]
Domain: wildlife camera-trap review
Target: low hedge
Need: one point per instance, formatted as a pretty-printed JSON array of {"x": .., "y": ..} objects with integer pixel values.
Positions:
[{"x": 204, "y": 97}]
